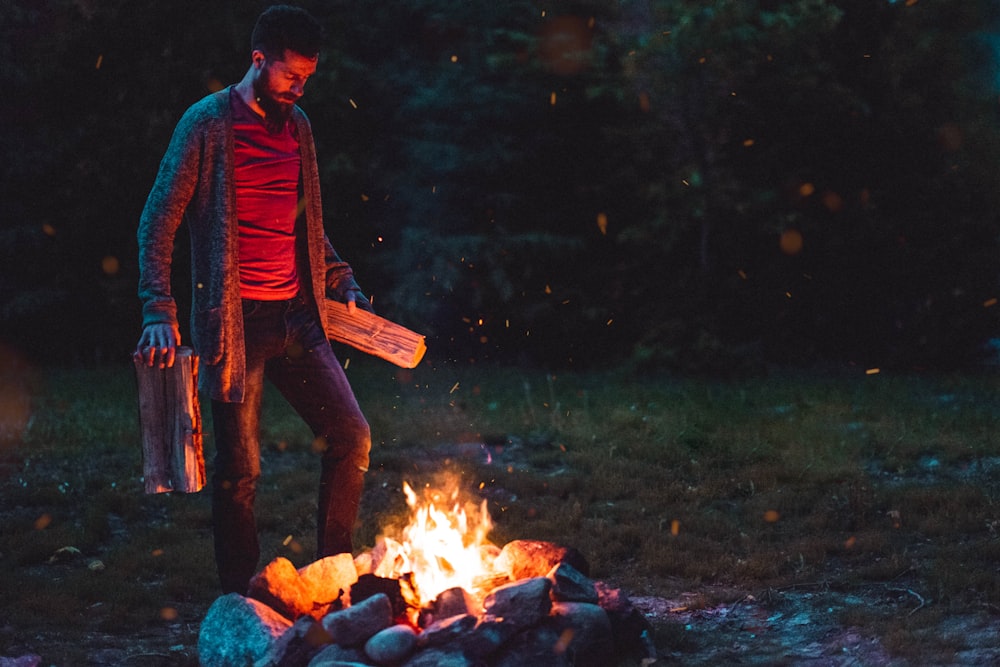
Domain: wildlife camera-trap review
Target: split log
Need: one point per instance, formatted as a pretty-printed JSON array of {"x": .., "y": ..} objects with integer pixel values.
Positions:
[
  {"x": 170, "y": 419},
  {"x": 375, "y": 335}
]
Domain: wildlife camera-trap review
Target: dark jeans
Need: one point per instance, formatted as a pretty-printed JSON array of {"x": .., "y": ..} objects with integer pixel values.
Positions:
[{"x": 286, "y": 344}]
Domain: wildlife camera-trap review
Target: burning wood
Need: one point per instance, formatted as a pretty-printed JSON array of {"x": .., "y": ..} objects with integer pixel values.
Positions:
[{"x": 440, "y": 594}]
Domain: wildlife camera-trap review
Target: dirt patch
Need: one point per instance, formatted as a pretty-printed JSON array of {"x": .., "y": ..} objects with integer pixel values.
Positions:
[{"x": 807, "y": 628}]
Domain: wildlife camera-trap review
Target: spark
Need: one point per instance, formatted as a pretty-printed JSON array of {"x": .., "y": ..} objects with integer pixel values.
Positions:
[
  {"x": 873, "y": 371},
  {"x": 454, "y": 388},
  {"x": 791, "y": 242},
  {"x": 772, "y": 516},
  {"x": 552, "y": 98},
  {"x": 353, "y": 103},
  {"x": 602, "y": 223},
  {"x": 110, "y": 265},
  {"x": 989, "y": 303},
  {"x": 100, "y": 61}
]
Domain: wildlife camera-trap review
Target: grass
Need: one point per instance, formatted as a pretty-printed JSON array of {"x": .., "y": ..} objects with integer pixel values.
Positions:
[{"x": 840, "y": 480}]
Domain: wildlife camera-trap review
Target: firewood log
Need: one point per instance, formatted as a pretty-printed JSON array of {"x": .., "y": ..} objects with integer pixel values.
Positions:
[
  {"x": 170, "y": 420},
  {"x": 375, "y": 335}
]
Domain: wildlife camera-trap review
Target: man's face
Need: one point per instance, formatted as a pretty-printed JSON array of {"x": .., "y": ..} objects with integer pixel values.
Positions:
[{"x": 280, "y": 83}]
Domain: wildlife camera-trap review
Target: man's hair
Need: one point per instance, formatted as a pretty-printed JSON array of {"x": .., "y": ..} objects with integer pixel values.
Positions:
[{"x": 283, "y": 27}]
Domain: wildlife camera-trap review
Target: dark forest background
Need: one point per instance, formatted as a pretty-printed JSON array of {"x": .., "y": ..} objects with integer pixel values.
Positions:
[{"x": 680, "y": 185}]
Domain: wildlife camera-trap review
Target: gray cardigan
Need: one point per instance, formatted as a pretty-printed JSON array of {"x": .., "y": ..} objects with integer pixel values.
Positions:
[{"x": 195, "y": 183}]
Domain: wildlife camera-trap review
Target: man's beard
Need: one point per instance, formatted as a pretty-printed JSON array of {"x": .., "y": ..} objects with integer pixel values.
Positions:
[{"x": 276, "y": 112}]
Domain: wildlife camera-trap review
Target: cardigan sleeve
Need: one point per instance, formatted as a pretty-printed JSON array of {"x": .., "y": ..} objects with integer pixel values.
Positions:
[
  {"x": 164, "y": 210},
  {"x": 340, "y": 282}
]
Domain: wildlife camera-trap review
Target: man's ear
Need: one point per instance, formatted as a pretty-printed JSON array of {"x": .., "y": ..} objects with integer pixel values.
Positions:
[{"x": 258, "y": 58}]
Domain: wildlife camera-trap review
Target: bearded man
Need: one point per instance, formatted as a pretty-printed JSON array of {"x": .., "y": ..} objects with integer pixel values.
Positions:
[{"x": 241, "y": 170}]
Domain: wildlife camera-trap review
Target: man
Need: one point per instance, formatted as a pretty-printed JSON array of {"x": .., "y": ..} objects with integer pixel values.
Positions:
[{"x": 241, "y": 169}]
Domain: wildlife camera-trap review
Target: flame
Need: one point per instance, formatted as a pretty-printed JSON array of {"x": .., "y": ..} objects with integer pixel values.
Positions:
[{"x": 442, "y": 547}]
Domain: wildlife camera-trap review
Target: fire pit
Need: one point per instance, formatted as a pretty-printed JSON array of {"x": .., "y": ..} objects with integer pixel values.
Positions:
[{"x": 437, "y": 594}]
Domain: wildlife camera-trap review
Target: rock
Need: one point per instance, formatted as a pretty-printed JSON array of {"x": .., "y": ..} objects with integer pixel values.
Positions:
[
  {"x": 628, "y": 625},
  {"x": 523, "y": 559},
  {"x": 486, "y": 638},
  {"x": 238, "y": 631},
  {"x": 280, "y": 586},
  {"x": 356, "y": 624},
  {"x": 364, "y": 564},
  {"x": 569, "y": 585},
  {"x": 439, "y": 658},
  {"x": 446, "y": 632},
  {"x": 521, "y": 604},
  {"x": 369, "y": 585},
  {"x": 338, "y": 656},
  {"x": 329, "y": 578},
  {"x": 584, "y": 632},
  {"x": 452, "y": 602},
  {"x": 391, "y": 645},
  {"x": 535, "y": 647},
  {"x": 297, "y": 646}
]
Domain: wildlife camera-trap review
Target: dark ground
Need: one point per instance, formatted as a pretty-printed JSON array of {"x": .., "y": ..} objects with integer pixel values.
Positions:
[{"x": 805, "y": 625}]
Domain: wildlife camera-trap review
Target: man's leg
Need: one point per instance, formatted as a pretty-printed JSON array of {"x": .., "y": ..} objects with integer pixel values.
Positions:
[
  {"x": 313, "y": 382},
  {"x": 234, "y": 489},
  {"x": 237, "y": 455}
]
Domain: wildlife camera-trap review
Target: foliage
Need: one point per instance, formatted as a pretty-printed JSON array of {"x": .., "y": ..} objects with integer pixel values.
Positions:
[{"x": 691, "y": 186}]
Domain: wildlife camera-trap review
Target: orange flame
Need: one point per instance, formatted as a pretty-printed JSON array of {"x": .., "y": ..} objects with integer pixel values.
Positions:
[{"x": 441, "y": 547}]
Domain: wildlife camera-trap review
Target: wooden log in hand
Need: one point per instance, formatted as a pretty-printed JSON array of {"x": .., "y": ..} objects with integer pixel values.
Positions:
[
  {"x": 170, "y": 418},
  {"x": 375, "y": 335}
]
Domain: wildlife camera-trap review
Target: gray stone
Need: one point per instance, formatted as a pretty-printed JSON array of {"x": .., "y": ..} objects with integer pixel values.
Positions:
[
  {"x": 356, "y": 624},
  {"x": 584, "y": 632},
  {"x": 486, "y": 638},
  {"x": 439, "y": 658},
  {"x": 297, "y": 646},
  {"x": 522, "y": 603},
  {"x": 238, "y": 631},
  {"x": 391, "y": 645},
  {"x": 536, "y": 647},
  {"x": 338, "y": 656},
  {"x": 570, "y": 585},
  {"x": 446, "y": 631}
]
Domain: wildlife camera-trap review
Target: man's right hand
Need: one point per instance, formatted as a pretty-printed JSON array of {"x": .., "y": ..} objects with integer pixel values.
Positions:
[{"x": 158, "y": 345}]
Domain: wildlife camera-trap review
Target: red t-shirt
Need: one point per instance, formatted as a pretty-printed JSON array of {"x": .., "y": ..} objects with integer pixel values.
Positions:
[{"x": 267, "y": 193}]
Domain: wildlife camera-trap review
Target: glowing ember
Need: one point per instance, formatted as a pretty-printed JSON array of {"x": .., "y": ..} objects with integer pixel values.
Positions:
[{"x": 442, "y": 547}]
